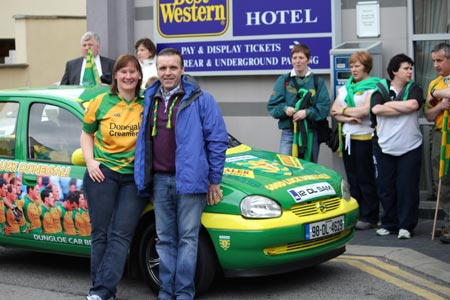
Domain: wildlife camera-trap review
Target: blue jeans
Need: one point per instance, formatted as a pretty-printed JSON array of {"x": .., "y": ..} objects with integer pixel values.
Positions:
[
  {"x": 177, "y": 226},
  {"x": 114, "y": 209},
  {"x": 287, "y": 136}
]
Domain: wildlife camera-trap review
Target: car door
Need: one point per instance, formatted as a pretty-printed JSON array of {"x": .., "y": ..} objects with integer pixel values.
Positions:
[{"x": 36, "y": 145}]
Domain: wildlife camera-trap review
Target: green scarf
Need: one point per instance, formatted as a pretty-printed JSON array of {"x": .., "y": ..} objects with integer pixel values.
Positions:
[
  {"x": 358, "y": 87},
  {"x": 403, "y": 94},
  {"x": 297, "y": 136},
  {"x": 353, "y": 88}
]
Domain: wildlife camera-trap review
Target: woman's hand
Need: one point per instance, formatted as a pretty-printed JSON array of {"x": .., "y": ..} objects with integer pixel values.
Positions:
[{"x": 94, "y": 171}]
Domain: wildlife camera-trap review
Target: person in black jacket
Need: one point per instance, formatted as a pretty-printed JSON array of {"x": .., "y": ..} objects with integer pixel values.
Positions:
[{"x": 73, "y": 75}]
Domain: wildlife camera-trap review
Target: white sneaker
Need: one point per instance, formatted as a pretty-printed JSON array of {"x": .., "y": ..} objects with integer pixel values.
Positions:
[
  {"x": 404, "y": 234},
  {"x": 383, "y": 232},
  {"x": 96, "y": 297}
]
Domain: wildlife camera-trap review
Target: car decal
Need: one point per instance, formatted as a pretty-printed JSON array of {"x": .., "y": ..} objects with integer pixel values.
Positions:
[
  {"x": 296, "y": 179},
  {"x": 34, "y": 168},
  {"x": 266, "y": 166},
  {"x": 239, "y": 172},
  {"x": 239, "y": 149},
  {"x": 311, "y": 191},
  {"x": 240, "y": 158},
  {"x": 290, "y": 161},
  {"x": 224, "y": 242}
]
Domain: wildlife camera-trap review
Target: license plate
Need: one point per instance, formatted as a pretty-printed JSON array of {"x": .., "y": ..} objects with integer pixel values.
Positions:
[{"x": 324, "y": 228}]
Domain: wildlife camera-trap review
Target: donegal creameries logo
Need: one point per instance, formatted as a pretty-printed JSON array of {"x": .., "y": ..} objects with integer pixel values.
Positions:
[{"x": 176, "y": 18}]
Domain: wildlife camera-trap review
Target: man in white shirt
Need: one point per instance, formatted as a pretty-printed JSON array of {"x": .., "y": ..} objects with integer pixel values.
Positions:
[{"x": 73, "y": 75}]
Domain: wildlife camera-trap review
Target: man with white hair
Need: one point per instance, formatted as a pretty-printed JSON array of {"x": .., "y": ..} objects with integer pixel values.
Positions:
[{"x": 73, "y": 75}]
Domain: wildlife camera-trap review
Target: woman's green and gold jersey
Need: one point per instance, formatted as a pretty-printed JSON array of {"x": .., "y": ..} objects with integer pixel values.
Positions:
[{"x": 115, "y": 123}]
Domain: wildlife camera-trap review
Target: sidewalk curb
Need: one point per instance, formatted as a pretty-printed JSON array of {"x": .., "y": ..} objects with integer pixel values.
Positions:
[{"x": 407, "y": 257}]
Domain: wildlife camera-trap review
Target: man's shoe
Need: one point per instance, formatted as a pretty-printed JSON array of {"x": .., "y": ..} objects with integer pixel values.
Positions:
[
  {"x": 443, "y": 230},
  {"x": 383, "y": 232},
  {"x": 403, "y": 234},
  {"x": 361, "y": 225},
  {"x": 445, "y": 238}
]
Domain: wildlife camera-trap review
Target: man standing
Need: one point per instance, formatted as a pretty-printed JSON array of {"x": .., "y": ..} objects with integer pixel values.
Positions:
[
  {"x": 180, "y": 156},
  {"x": 437, "y": 102},
  {"x": 73, "y": 75}
]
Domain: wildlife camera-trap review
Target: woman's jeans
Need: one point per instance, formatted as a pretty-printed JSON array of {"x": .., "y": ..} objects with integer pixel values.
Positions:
[
  {"x": 177, "y": 226},
  {"x": 114, "y": 209},
  {"x": 287, "y": 136}
]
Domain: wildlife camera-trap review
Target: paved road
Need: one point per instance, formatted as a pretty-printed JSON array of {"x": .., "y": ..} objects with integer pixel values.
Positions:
[
  {"x": 372, "y": 268},
  {"x": 419, "y": 253}
]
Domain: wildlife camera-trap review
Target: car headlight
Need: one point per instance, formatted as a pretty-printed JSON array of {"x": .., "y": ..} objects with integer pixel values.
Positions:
[
  {"x": 259, "y": 207},
  {"x": 345, "y": 190}
]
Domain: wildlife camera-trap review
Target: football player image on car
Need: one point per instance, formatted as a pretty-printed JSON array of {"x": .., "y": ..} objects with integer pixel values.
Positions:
[{"x": 278, "y": 213}]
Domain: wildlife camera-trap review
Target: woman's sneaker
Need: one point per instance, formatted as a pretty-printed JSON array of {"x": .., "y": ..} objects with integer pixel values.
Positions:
[
  {"x": 404, "y": 234},
  {"x": 383, "y": 232}
]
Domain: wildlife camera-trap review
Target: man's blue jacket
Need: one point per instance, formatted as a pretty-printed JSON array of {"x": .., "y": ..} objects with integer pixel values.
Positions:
[{"x": 200, "y": 135}]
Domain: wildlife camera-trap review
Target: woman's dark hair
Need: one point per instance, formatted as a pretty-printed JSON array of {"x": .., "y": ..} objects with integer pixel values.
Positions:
[
  {"x": 121, "y": 62},
  {"x": 147, "y": 43},
  {"x": 395, "y": 63}
]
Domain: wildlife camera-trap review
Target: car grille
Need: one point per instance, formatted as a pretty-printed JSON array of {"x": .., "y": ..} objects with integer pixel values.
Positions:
[
  {"x": 304, "y": 245},
  {"x": 316, "y": 207}
]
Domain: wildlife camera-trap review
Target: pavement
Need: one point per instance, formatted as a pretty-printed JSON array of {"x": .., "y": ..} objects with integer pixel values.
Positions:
[{"x": 419, "y": 253}]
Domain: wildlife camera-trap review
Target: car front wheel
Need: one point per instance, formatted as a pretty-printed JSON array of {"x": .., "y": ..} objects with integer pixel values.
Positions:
[{"x": 207, "y": 266}]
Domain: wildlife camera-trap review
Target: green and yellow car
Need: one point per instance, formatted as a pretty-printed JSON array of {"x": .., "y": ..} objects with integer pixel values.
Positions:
[{"x": 278, "y": 214}]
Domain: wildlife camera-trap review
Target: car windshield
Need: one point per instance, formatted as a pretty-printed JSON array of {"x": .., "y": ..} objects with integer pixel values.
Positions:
[{"x": 232, "y": 141}]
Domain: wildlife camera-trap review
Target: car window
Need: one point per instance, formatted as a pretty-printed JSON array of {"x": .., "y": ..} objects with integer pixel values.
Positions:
[
  {"x": 53, "y": 133},
  {"x": 8, "y": 123}
]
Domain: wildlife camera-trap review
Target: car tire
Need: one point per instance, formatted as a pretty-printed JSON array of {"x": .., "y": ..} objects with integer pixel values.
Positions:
[{"x": 207, "y": 266}]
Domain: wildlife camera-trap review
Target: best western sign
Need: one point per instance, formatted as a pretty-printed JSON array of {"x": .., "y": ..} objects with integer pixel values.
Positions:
[{"x": 218, "y": 37}]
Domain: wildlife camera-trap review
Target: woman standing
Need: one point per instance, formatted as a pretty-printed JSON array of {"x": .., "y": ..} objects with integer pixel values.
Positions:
[
  {"x": 351, "y": 108},
  {"x": 146, "y": 54},
  {"x": 398, "y": 151},
  {"x": 110, "y": 129},
  {"x": 299, "y": 101}
]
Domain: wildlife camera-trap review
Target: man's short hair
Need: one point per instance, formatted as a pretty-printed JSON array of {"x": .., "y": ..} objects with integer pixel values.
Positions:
[
  {"x": 171, "y": 51},
  {"x": 89, "y": 35},
  {"x": 442, "y": 46},
  {"x": 3, "y": 182}
]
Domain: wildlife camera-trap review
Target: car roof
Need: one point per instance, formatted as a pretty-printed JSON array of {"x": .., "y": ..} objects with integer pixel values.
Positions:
[{"x": 70, "y": 93}]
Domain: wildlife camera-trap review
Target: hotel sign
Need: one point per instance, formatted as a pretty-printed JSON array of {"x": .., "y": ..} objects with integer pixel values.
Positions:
[{"x": 220, "y": 37}]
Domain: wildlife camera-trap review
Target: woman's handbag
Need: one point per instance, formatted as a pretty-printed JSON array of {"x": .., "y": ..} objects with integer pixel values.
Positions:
[{"x": 333, "y": 141}]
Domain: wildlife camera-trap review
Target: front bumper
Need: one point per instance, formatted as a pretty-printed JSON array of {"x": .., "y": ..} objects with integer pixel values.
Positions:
[{"x": 261, "y": 247}]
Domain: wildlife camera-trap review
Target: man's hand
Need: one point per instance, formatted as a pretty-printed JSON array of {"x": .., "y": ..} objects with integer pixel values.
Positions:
[{"x": 214, "y": 194}]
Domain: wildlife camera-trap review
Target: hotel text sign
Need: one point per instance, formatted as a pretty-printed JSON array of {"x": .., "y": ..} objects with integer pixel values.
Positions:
[{"x": 219, "y": 37}]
